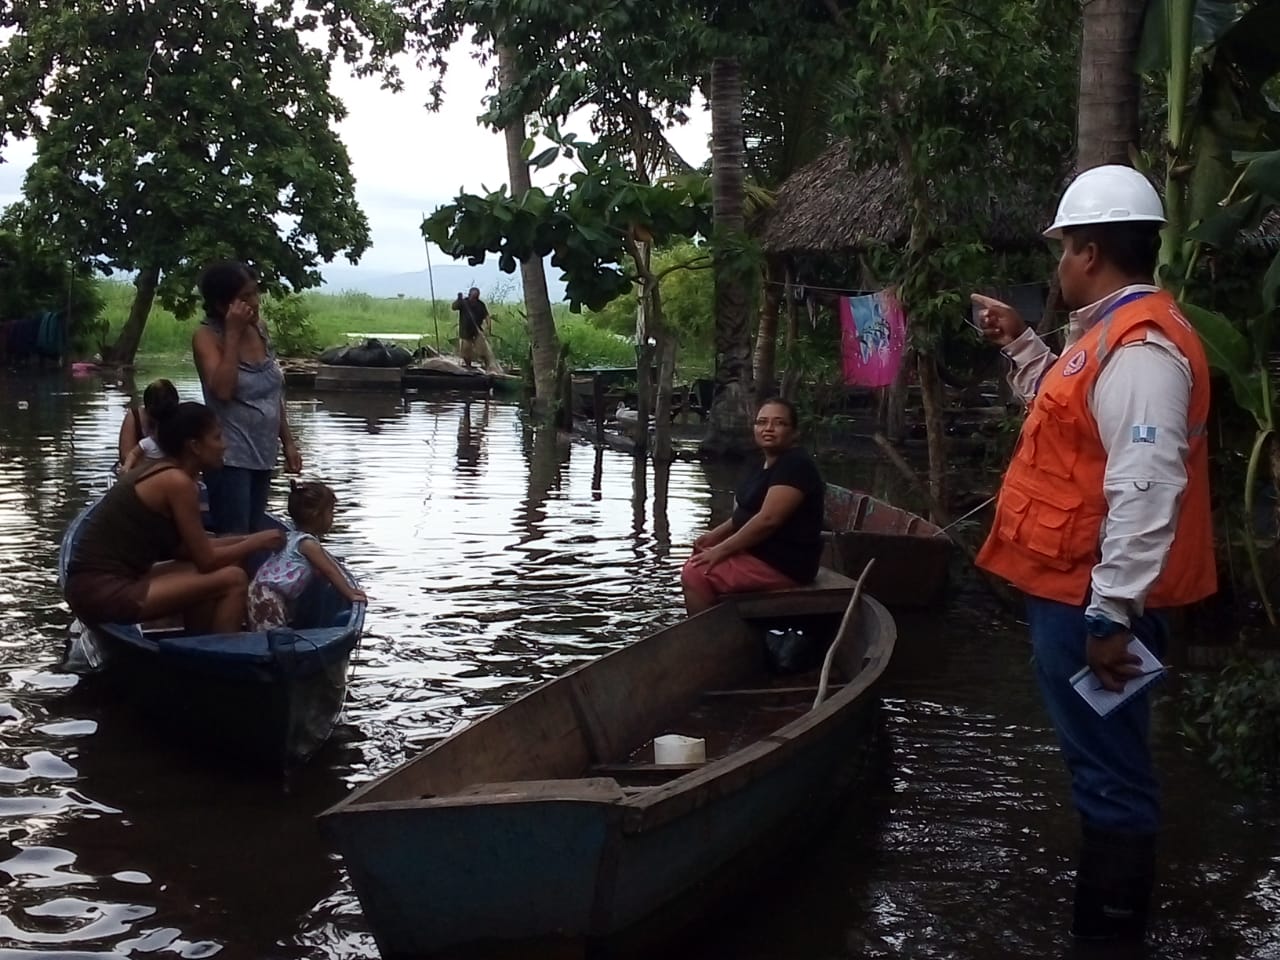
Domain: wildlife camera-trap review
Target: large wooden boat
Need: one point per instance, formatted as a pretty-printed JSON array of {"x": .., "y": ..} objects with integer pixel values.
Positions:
[{"x": 548, "y": 824}]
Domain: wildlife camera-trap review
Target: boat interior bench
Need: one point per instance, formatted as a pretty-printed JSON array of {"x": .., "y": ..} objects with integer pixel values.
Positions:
[{"x": 828, "y": 593}]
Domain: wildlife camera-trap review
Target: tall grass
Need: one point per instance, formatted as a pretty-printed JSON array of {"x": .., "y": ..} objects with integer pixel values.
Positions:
[{"x": 335, "y": 315}]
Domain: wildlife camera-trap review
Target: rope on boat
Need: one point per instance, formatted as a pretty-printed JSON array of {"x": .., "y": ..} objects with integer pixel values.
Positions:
[
  {"x": 982, "y": 506},
  {"x": 845, "y": 622}
]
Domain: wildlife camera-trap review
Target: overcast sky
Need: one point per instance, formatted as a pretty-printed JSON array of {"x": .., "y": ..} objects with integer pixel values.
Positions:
[{"x": 408, "y": 160}]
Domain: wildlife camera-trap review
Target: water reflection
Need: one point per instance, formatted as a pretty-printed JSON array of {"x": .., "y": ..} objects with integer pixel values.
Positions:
[
  {"x": 471, "y": 434},
  {"x": 497, "y": 555}
]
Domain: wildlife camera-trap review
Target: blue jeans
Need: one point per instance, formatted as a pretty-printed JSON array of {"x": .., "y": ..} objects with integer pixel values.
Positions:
[
  {"x": 1113, "y": 783},
  {"x": 237, "y": 499}
]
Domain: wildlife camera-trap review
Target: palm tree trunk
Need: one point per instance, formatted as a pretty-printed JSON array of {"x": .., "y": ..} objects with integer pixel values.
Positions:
[
  {"x": 543, "y": 342},
  {"x": 1107, "y": 115},
  {"x": 125, "y": 349},
  {"x": 728, "y": 427}
]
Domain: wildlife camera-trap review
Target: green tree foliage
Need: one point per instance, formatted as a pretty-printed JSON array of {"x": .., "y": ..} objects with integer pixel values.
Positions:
[
  {"x": 686, "y": 298},
  {"x": 1235, "y": 717},
  {"x": 636, "y": 64},
  {"x": 289, "y": 321},
  {"x": 173, "y": 132},
  {"x": 970, "y": 103},
  {"x": 35, "y": 277},
  {"x": 632, "y": 65},
  {"x": 589, "y": 224}
]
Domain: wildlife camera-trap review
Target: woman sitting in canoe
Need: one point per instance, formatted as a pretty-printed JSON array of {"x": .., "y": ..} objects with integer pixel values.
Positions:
[
  {"x": 118, "y": 571},
  {"x": 774, "y": 538}
]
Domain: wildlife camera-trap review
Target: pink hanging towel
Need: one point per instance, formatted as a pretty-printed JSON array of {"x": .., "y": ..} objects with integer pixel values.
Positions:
[{"x": 873, "y": 334}]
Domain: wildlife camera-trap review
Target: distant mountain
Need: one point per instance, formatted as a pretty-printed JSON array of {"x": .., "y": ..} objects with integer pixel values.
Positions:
[{"x": 450, "y": 278}]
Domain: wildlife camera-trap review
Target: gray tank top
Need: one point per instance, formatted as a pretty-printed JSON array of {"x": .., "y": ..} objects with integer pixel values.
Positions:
[{"x": 251, "y": 418}]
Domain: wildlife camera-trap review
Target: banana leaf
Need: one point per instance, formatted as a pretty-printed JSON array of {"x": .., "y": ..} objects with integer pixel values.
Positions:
[
  {"x": 1230, "y": 352},
  {"x": 1210, "y": 19}
]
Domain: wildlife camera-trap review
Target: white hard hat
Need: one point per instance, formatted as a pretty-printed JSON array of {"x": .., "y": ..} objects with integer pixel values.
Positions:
[{"x": 1109, "y": 194}]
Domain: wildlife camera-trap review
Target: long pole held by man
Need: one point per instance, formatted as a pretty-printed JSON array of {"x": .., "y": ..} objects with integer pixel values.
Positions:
[
  {"x": 474, "y": 323},
  {"x": 1103, "y": 519}
]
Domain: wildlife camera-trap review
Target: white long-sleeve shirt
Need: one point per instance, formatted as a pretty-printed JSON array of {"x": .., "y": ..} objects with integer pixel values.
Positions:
[{"x": 1140, "y": 401}]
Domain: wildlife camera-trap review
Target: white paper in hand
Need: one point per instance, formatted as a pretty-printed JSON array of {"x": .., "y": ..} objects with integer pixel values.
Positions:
[{"x": 1103, "y": 700}]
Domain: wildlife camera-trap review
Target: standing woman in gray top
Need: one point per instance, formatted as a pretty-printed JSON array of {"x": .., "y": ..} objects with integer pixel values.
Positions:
[{"x": 244, "y": 386}]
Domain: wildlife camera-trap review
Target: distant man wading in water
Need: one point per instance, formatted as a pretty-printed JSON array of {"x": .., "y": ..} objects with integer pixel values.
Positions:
[
  {"x": 473, "y": 318},
  {"x": 1103, "y": 518}
]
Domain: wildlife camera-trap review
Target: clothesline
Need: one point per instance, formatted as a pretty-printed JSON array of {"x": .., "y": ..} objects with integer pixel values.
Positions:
[
  {"x": 862, "y": 293},
  {"x": 874, "y": 334},
  {"x": 811, "y": 286}
]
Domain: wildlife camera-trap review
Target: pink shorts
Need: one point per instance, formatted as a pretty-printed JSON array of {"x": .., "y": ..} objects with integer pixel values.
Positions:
[{"x": 741, "y": 573}]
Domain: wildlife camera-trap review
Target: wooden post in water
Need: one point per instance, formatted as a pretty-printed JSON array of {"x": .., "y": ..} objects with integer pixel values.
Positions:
[{"x": 597, "y": 406}]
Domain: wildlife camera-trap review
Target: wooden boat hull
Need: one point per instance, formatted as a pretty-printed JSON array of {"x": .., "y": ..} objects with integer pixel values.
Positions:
[
  {"x": 913, "y": 555},
  {"x": 273, "y": 713},
  {"x": 271, "y": 697},
  {"x": 572, "y": 861},
  {"x": 725, "y": 845},
  {"x": 472, "y": 879}
]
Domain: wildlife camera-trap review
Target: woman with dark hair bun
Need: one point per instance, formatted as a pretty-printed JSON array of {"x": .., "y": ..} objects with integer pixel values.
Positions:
[
  {"x": 243, "y": 385},
  {"x": 159, "y": 400},
  {"x": 119, "y": 570}
]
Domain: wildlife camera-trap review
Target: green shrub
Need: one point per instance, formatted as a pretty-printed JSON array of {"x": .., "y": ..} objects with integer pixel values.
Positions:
[
  {"x": 1235, "y": 716},
  {"x": 289, "y": 321}
]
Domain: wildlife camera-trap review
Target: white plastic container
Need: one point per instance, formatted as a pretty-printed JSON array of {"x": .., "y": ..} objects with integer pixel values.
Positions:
[{"x": 673, "y": 748}]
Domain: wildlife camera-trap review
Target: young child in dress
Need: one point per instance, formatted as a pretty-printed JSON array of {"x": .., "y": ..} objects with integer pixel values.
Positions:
[
  {"x": 158, "y": 401},
  {"x": 280, "y": 581}
]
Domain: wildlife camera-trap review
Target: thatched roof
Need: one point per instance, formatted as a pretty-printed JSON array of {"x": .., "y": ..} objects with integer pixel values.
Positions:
[{"x": 827, "y": 208}]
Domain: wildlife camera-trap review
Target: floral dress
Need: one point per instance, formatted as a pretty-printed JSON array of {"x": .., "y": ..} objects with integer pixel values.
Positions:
[{"x": 279, "y": 582}]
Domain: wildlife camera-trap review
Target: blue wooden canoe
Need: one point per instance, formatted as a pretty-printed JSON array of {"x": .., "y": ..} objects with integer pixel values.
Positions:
[
  {"x": 547, "y": 823},
  {"x": 272, "y": 696}
]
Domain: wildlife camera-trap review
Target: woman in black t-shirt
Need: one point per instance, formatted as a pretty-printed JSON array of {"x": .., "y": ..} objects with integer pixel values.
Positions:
[{"x": 773, "y": 540}]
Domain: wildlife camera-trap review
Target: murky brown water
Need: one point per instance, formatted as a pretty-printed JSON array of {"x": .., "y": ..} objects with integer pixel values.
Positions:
[{"x": 495, "y": 560}]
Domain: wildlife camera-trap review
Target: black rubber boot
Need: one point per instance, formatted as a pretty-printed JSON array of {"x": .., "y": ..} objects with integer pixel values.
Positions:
[{"x": 1114, "y": 881}]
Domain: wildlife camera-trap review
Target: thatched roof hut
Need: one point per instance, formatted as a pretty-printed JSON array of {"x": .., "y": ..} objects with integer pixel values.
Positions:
[{"x": 827, "y": 208}]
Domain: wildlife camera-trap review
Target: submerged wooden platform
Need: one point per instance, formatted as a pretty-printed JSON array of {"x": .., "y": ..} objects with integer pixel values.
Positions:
[{"x": 312, "y": 375}]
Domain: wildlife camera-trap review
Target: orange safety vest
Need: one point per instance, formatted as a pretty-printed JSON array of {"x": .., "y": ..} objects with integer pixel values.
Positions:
[{"x": 1047, "y": 532}]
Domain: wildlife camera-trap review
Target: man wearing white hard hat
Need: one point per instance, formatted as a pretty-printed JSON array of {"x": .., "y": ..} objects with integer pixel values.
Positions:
[{"x": 1103, "y": 518}]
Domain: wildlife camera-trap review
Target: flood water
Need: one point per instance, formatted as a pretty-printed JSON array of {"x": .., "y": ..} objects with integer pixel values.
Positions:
[{"x": 495, "y": 560}]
